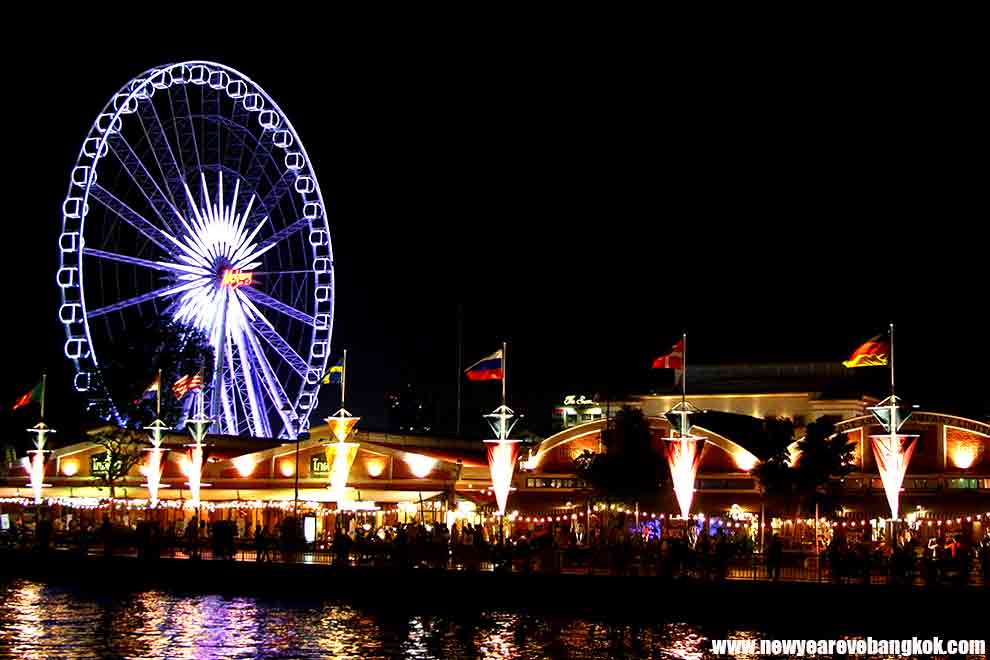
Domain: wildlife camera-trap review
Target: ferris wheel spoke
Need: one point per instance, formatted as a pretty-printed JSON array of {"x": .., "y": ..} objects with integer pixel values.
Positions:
[
  {"x": 167, "y": 164},
  {"x": 239, "y": 117},
  {"x": 147, "y": 263},
  {"x": 257, "y": 422},
  {"x": 280, "y": 346},
  {"x": 136, "y": 300},
  {"x": 144, "y": 182},
  {"x": 283, "y": 234},
  {"x": 274, "y": 389},
  {"x": 143, "y": 226},
  {"x": 212, "y": 149},
  {"x": 185, "y": 129},
  {"x": 227, "y": 390},
  {"x": 274, "y": 196},
  {"x": 279, "y": 306}
]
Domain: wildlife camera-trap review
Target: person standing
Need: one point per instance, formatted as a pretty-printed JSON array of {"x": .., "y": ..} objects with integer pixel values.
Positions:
[{"x": 774, "y": 555}]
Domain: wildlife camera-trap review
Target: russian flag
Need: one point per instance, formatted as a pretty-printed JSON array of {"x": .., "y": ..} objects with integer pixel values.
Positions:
[{"x": 487, "y": 368}]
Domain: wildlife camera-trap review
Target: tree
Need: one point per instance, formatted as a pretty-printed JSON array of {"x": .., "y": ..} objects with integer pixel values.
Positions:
[
  {"x": 630, "y": 467},
  {"x": 123, "y": 450},
  {"x": 775, "y": 475},
  {"x": 825, "y": 455},
  {"x": 8, "y": 457},
  {"x": 129, "y": 366}
]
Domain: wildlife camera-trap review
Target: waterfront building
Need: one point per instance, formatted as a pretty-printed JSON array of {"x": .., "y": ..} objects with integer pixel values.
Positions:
[{"x": 404, "y": 477}]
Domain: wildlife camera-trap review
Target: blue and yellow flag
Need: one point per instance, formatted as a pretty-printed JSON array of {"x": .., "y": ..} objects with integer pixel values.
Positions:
[{"x": 334, "y": 373}]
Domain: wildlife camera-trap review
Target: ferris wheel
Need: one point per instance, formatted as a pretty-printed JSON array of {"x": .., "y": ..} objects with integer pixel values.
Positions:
[{"x": 193, "y": 199}]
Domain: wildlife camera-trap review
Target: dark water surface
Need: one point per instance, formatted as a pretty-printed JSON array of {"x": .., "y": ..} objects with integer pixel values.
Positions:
[{"x": 44, "y": 621}]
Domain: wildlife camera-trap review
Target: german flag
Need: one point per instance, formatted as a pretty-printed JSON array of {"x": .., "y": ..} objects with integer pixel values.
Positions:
[{"x": 873, "y": 353}]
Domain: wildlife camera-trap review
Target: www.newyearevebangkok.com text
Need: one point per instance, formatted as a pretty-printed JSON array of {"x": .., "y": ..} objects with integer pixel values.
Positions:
[{"x": 867, "y": 646}]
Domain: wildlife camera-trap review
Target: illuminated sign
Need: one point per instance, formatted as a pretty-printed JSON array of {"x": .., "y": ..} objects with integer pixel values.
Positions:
[
  {"x": 236, "y": 278},
  {"x": 99, "y": 463},
  {"x": 574, "y": 400},
  {"x": 318, "y": 464}
]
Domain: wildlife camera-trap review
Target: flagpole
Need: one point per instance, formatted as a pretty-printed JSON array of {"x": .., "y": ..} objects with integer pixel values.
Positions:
[
  {"x": 891, "y": 361},
  {"x": 44, "y": 379},
  {"x": 505, "y": 367},
  {"x": 158, "y": 392},
  {"x": 460, "y": 350},
  {"x": 343, "y": 380},
  {"x": 684, "y": 367}
]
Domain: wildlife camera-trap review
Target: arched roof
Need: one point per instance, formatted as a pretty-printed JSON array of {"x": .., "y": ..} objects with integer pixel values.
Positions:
[
  {"x": 734, "y": 449},
  {"x": 921, "y": 417}
]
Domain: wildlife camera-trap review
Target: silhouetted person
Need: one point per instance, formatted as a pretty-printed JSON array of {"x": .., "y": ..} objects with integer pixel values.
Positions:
[
  {"x": 106, "y": 533},
  {"x": 44, "y": 535},
  {"x": 774, "y": 555}
]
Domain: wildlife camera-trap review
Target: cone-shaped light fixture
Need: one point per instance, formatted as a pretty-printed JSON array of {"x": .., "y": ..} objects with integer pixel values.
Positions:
[
  {"x": 340, "y": 454},
  {"x": 198, "y": 427},
  {"x": 36, "y": 468},
  {"x": 153, "y": 468}
]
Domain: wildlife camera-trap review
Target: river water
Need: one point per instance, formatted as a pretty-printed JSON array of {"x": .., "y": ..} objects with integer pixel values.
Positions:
[{"x": 44, "y": 621}]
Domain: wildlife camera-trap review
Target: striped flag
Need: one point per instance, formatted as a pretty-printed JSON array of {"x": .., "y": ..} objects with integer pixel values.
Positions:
[
  {"x": 487, "y": 368},
  {"x": 187, "y": 383},
  {"x": 334, "y": 373}
]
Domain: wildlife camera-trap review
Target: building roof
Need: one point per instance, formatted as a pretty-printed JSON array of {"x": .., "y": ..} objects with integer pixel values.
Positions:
[{"x": 830, "y": 379}]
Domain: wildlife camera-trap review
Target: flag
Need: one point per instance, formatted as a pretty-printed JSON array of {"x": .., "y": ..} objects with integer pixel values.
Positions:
[
  {"x": 334, "y": 373},
  {"x": 673, "y": 360},
  {"x": 871, "y": 354},
  {"x": 155, "y": 386},
  {"x": 34, "y": 395},
  {"x": 187, "y": 383},
  {"x": 487, "y": 368}
]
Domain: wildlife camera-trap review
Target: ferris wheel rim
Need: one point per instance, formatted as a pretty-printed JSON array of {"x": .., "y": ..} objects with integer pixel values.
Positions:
[{"x": 127, "y": 98}]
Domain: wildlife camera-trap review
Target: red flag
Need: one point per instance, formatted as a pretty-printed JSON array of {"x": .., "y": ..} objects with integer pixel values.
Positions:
[{"x": 673, "y": 360}]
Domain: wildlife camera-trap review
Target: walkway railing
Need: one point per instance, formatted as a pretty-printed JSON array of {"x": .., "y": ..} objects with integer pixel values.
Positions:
[{"x": 521, "y": 558}]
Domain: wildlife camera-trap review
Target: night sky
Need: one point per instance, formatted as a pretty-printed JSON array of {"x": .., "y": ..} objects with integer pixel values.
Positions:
[{"x": 584, "y": 203}]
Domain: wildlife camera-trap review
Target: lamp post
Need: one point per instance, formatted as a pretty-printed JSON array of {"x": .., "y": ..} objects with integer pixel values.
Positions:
[{"x": 290, "y": 427}]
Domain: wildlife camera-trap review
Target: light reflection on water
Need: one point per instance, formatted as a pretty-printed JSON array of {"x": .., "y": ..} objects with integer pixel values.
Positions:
[{"x": 39, "y": 621}]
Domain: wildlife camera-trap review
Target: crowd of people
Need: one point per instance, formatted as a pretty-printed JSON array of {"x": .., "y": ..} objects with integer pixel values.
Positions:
[{"x": 618, "y": 548}]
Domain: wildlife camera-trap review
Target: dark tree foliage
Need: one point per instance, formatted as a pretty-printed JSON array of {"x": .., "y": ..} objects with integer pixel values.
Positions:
[
  {"x": 824, "y": 454},
  {"x": 630, "y": 467},
  {"x": 123, "y": 450},
  {"x": 131, "y": 364},
  {"x": 775, "y": 475}
]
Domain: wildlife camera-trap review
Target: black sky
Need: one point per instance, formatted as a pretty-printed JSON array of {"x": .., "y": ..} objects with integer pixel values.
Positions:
[{"x": 580, "y": 198}]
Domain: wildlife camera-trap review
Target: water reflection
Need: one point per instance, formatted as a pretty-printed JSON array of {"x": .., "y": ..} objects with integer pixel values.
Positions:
[{"x": 38, "y": 621}]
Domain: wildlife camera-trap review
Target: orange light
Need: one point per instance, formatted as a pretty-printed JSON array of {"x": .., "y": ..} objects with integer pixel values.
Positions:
[
  {"x": 287, "y": 468},
  {"x": 70, "y": 467},
  {"x": 245, "y": 465},
  {"x": 963, "y": 456},
  {"x": 420, "y": 465},
  {"x": 375, "y": 466},
  {"x": 745, "y": 461}
]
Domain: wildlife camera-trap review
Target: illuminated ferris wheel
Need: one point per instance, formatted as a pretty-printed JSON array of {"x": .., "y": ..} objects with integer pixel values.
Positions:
[{"x": 193, "y": 198}]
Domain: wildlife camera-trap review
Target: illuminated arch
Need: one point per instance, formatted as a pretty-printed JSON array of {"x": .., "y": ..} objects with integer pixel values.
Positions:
[{"x": 743, "y": 458}]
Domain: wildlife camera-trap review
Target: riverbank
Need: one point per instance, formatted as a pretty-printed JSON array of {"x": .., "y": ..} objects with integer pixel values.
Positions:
[{"x": 741, "y": 602}]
